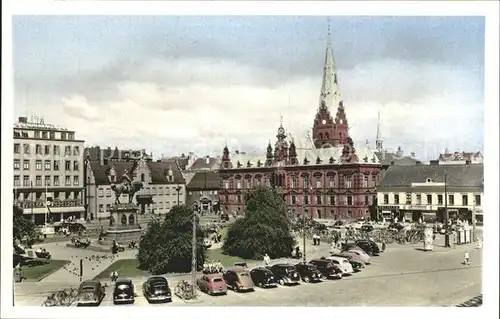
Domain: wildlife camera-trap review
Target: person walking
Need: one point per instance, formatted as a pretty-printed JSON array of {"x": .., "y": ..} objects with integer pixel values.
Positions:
[
  {"x": 383, "y": 246},
  {"x": 466, "y": 258},
  {"x": 267, "y": 259}
]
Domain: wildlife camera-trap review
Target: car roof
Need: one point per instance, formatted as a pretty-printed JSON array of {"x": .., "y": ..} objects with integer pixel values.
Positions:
[
  {"x": 238, "y": 269},
  {"x": 157, "y": 279},
  {"x": 123, "y": 281},
  {"x": 283, "y": 265},
  {"x": 90, "y": 283}
]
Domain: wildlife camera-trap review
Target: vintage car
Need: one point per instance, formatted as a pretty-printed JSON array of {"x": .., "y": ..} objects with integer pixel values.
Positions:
[
  {"x": 308, "y": 272},
  {"x": 343, "y": 264},
  {"x": 327, "y": 268},
  {"x": 285, "y": 274},
  {"x": 361, "y": 254},
  {"x": 124, "y": 291},
  {"x": 224, "y": 217},
  {"x": 356, "y": 261},
  {"x": 90, "y": 293},
  {"x": 369, "y": 247},
  {"x": 367, "y": 228},
  {"x": 156, "y": 289},
  {"x": 263, "y": 277},
  {"x": 212, "y": 284},
  {"x": 238, "y": 278}
]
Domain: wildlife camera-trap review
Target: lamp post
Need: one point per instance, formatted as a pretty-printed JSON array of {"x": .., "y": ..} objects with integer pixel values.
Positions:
[
  {"x": 306, "y": 189},
  {"x": 446, "y": 235},
  {"x": 474, "y": 218},
  {"x": 31, "y": 199},
  {"x": 178, "y": 189},
  {"x": 193, "y": 255}
]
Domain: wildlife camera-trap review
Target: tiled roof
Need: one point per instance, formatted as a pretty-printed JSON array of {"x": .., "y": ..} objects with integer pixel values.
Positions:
[
  {"x": 459, "y": 175},
  {"x": 159, "y": 172},
  {"x": 387, "y": 158},
  {"x": 181, "y": 161},
  {"x": 201, "y": 163},
  {"x": 459, "y": 156},
  {"x": 204, "y": 180},
  {"x": 101, "y": 171}
]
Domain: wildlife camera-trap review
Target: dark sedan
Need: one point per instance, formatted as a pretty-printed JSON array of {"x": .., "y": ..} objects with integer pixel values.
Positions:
[
  {"x": 308, "y": 272},
  {"x": 285, "y": 274},
  {"x": 156, "y": 289},
  {"x": 124, "y": 291},
  {"x": 263, "y": 277},
  {"x": 368, "y": 246}
]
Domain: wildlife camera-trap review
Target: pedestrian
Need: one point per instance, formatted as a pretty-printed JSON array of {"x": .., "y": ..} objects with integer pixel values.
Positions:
[
  {"x": 267, "y": 259},
  {"x": 383, "y": 246},
  {"x": 466, "y": 258},
  {"x": 454, "y": 239}
]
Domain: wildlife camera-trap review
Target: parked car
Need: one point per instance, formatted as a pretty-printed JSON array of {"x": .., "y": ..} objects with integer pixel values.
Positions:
[
  {"x": 285, "y": 274},
  {"x": 124, "y": 291},
  {"x": 224, "y": 217},
  {"x": 263, "y": 277},
  {"x": 212, "y": 284},
  {"x": 238, "y": 278},
  {"x": 366, "y": 228},
  {"x": 90, "y": 293},
  {"x": 343, "y": 264},
  {"x": 308, "y": 272},
  {"x": 361, "y": 254},
  {"x": 369, "y": 246},
  {"x": 156, "y": 289},
  {"x": 396, "y": 226},
  {"x": 355, "y": 260},
  {"x": 327, "y": 268}
]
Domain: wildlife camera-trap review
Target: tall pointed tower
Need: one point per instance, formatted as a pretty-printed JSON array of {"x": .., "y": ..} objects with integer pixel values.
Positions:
[
  {"x": 328, "y": 132},
  {"x": 378, "y": 140}
]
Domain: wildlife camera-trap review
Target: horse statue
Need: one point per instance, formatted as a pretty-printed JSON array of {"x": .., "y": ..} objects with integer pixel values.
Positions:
[{"x": 127, "y": 186}]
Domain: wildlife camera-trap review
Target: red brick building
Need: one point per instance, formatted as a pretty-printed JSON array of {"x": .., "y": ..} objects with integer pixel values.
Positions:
[{"x": 323, "y": 174}]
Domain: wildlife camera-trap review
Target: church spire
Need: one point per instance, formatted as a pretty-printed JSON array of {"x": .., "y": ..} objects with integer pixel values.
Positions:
[
  {"x": 378, "y": 139},
  {"x": 330, "y": 92}
]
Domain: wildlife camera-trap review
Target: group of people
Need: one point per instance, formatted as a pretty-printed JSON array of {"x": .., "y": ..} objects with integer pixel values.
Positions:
[
  {"x": 113, "y": 276},
  {"x": 213, "y": 267}
]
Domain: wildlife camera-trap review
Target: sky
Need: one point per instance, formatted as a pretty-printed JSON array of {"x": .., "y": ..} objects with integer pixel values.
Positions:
[{"x": 175, "y": 84}]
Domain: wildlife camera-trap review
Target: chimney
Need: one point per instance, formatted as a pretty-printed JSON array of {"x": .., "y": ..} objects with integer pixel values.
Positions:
[
  {"x": 467, "y": 162},
  {"x": 23, "y": 119}
]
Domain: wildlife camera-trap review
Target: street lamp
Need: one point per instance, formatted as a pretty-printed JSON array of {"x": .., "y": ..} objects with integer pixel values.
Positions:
[
  {"x": 178, "y": 189},
  {"x": 31, "y": 199},
  {"x": 446, "y": 235},
  {"x": 304, "y": 221}
]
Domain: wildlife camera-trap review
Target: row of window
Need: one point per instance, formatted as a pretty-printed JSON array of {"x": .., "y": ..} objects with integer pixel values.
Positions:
[
  {"x": 330, "y": 200},
  {"x": 38, "y": 195},
  {"x": 46, "y": 149},
  {"x": 294, "y": 182},
  {"x": 48, "y": 181},
  {"x": 202, "y": 192},
  {"x": 47, "y": 165},
  {"x": 156, "y": 206},
  {"x": 428, "y": 197},
  {"x": 154, "y": 191},
  {"x": 46, "y": 135}
]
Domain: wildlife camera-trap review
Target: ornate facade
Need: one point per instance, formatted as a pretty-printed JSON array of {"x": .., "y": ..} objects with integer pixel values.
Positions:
[{"x": 323, "y": 175}]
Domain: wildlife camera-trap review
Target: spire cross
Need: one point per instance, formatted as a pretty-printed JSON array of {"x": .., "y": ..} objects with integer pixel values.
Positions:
[{"x": 281, "y": 120}]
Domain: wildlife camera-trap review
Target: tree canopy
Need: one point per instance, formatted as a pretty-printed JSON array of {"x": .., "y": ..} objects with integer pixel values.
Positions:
[
  {"x": 166, "y": 246},
  {"x": 264, "y": 229},
  {"x": 24, "y": 230}
]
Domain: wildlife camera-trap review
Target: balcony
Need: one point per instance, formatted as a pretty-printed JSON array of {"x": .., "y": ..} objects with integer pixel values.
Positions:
[{"x": 56, "y": 203}]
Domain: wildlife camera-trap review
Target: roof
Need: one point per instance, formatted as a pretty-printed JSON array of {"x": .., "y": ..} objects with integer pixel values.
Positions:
[
  {"x": 238, "y": 269},
  {"x": 101, "y": 171},
  {"x": 204, "y": 180},
  {"x": 457, "y": 156},
  {"x": 123, "y": 280},
  {"x": 386, "y": 158},
  {"x": 201, "y": 163},
  {"x": 157, "y": 279},
  {"x": 181, "y": 161},
  {"x": 213, "y": 276},
  {"x": 461, "y": 175},
  {"x": 159, "y": 173}
]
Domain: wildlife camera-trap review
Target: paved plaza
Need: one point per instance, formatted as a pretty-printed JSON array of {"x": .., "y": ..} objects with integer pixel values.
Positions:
[{"x": 402, "y": 276}]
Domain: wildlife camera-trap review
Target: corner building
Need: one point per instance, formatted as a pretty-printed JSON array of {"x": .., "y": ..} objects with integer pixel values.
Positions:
[{"x": 323, "y": 174}]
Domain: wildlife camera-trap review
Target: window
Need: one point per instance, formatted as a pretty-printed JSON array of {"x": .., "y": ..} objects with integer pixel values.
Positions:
[
  {"x": 295, "y": 182},
  {"x": 451, "y": 199},
  {"x": 108, "y": 192},
  {"x": 367, "y": 199},
  {"x": 419, "y": 199},
  {"x": 76, "y": 166},
  {"x": 67, "y": 150},
  {"x": 319, "y": 200},
  {"x": 76, "y": 151},
  {"x": 71, "y": 136},
  {"x": 17, "y": 180},
  {"x": 143, "y": 177},
  {"x": 17, "y": 148},
  {"x": 76, "y": 180},
  {"x": 440, "y": 199},
  {"x": 108, "y": 207},
  {"x": 238, "y": 184},
  {"x": 47, "y": 150},
  {"x": 17, "y": 134},
  {"x": 305, "y": 181},
  {"x": 160, "y": 190},
  {"x": 396, "y": 198},
  {"x": 153, "y": 190},
  {"x": 56, "y": 165},
  {"x": 63, "y": 136},
  {"x": 47, "y": 180},
  {"x": 17, "y": 164},
  {"x": 226, "y": 184},
  {"x": 349, "y": 200},
  {"x": 38, "y": 165},
  {"x": 477, "y": 200},
  {"x": 348, "y": 181},
  {"x": 365, "y": 181},
  {"x": 57, "y": 151},
  {"x": 101, "y": 208},
  {"x": 26, "y": 148},
  {"x": 332, "y": 200},
  {"x": 294, "y": 199},
  {"x": 47, "y": 165},
  {"x": 215, "y": 192},
  {"x": 44, "y": 134},
  {"x": 67, "y": 181},
  {"x": 374, "y": 179},
  {"x": 56, "y": 180},
  {"x": 331, "y": 181},
  {"x": 238, "y": 198},
  {"x": 37, "y": 134},
  {"x": 67, "y": 165},
  {"x": 100, "y": 192},
  {"x": 38, "y": 149},
  {"x": 318, "y": 182},
  {"x": 386, "y": 199},
  {"x": 52, "y": 135},
  {"x": 38, "y": 180},
  {"x": 248, "y": 183},
  {"x": 167, "y": 191},
  {"x": 26, "y": 165},
  {"x": 408, "y": 198},
  {"x": 26, "y": 181},
  {"x": 306, "y": 199},
  {"x": 429, "y": 199},
  {"x": 465, "y": 200}
]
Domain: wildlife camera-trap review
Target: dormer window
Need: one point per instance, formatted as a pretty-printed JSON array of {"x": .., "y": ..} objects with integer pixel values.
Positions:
[
  {"x": 331, "y": 160},
  {"x": 249, "y": 164},
  {"x": 365, "y": 159},
  {"x": 170, "y": 175},
  {"x": 374, "y": 160},
  {"x": 259, "y": 163},
  {"x": 238, "y": 164},
  {"x": 318, "y": 160},
  {"x": 429, "y": 180},
  {"x": 306, "y": 161}
]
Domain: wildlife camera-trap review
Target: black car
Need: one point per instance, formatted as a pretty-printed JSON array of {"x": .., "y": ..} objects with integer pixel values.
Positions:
[
  {"x": 369, "y": 247},
  {"x": 124, "y": 291},
  {"x": 367, "y": 228},
  {"x": 156, "y": 289},
  {"x": 224, "y": 217},
  {"x": 396, "y": 226},
  {"x": 285, "y": 274},
  {"x": 327, "y": 268},
  {"x": 263, "y": 277},
  {"x": 308, "y": 272}
]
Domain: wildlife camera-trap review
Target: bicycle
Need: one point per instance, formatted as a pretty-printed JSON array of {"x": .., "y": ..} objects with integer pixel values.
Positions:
[{"x": 50, "y": 301}]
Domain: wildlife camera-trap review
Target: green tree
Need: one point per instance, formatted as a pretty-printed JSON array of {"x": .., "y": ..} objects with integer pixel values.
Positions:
[
  {"x": 264, "y": 229},
  {"x": 166, "y": 247},
  {"x": 24, "y": 230}
]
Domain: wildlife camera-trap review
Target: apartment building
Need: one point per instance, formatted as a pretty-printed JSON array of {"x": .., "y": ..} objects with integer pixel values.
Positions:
[
  {"x": 203, "y": 192},
  {"x": 164, "y": 186},
  {"x": 412, "y": 192},
  {"x": 48, "y": 171}
]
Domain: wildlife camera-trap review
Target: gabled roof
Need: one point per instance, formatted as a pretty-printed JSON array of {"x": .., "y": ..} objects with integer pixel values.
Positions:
[
  {"x": 101, "y": 171},
  {"x": 201, "y": 163},
  {"x": 159, "y": 173},
  {"x": 459, "y": 175},
  {"x": 204, "y": 180}
]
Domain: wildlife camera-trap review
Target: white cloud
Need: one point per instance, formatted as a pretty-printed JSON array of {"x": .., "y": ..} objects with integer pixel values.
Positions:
[{"x": 420, "y": 104}]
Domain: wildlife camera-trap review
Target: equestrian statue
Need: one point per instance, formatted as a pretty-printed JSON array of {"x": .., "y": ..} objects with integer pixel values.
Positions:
[{"x": 127, "y": 186}]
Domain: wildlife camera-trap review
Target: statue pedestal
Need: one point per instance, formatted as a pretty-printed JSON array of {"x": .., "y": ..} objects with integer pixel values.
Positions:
[{"x": 124, "y": 226}]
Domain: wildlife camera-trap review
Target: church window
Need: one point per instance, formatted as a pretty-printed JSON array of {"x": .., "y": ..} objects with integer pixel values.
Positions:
[
  {"x": 305, "y": 181},
  {"x": 295, "y": 182}
]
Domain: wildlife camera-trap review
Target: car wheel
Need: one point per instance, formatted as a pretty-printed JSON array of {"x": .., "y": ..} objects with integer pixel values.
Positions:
[
  {"x": 281, "y": 282},
  {"x": 235, "y": 288},
  {"x": 259, "y": 284},
  {"x": 307, "y": 279}
]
